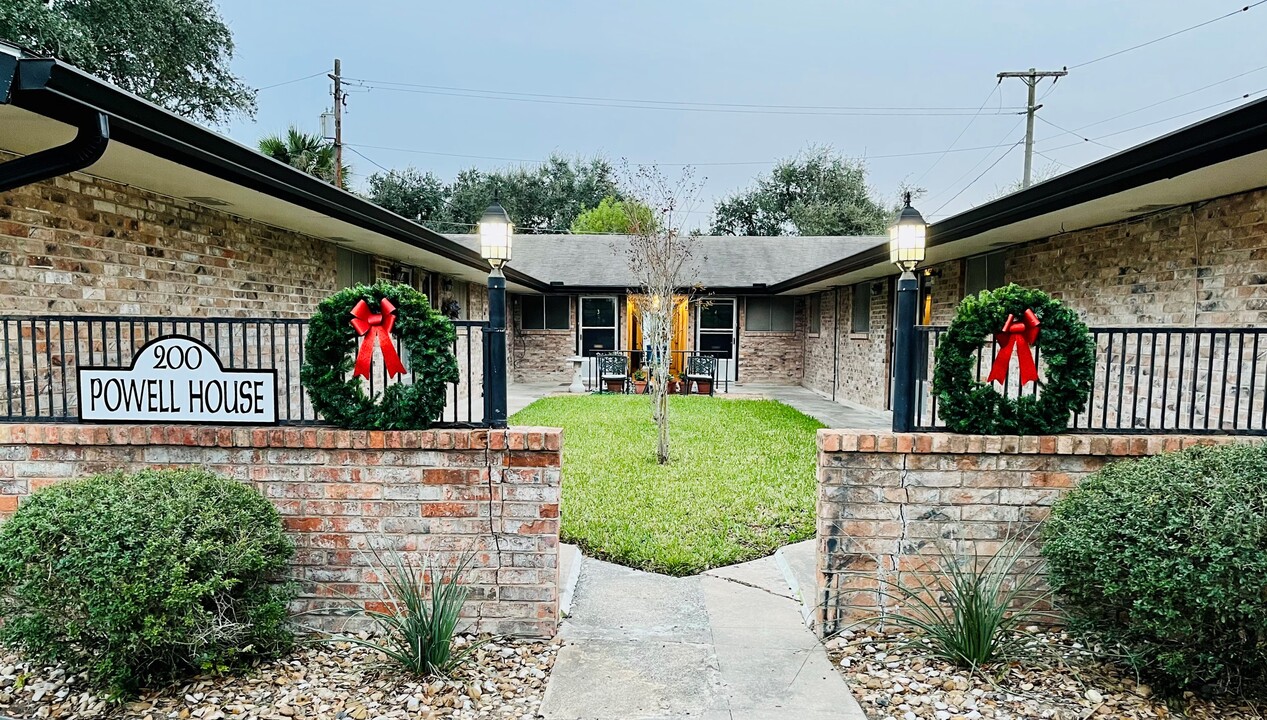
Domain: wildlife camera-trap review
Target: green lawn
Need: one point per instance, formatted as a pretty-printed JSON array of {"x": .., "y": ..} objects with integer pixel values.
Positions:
[{"x": 741, "y": 482}]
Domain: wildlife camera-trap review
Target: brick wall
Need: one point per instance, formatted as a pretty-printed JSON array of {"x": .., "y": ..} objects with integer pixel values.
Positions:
[
  {"x": 540, "y": 355},
  {"x": 859, "y": 362},
  {"x": 772, "y": 357},
  {"x": 446, "y": 492},
  {"x": 820, "y": 349},
  {"x": 886, "y": 500},
  {"x": 78, "y": 244},
  {"x": 1199, "y": 265}
]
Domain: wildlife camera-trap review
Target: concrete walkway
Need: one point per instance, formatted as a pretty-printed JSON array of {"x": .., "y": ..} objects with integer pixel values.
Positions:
[
  {"x": 833, "y": 414},
  {"x": 726, "y": 645}
]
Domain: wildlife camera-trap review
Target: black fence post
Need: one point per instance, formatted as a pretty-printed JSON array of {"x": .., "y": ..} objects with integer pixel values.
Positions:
[
  {"x": 904, "y": 354},
  {"x": 495, "y": 380}
]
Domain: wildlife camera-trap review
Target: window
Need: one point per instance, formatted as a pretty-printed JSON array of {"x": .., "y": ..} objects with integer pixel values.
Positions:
[
  {"x": 983, "y": 272},
  {"x": 860, "y": 320},
  {"x": 545, "y": 312},
  {"x": 814, "y": 309},
  {"x": 770, "y": 314},
  {"x": 352, "y": 268}
]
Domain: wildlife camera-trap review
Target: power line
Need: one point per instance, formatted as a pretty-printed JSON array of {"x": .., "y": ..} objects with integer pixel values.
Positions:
[
  {"x": 824, "y": 111},
  {"x": 1158, "y": 122},
  {"x": 1168, "y": 36},
  {"x": 955, "y": 142},
  {"x": 1071, "y": 132},
  {"x": 656, "y": 102},
  {"x": 974, "y": 180},
  {"x": 922, "y": 153},
  {"x": 1173, "y": 97},
  {"x": 982, "y": 160},
  {"x": 366, "y": 157},
  {"x": 288, "y": 82}
]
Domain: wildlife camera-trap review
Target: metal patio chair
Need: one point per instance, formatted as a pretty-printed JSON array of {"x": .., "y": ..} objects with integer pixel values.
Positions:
[
  {"x": 613, "y": 369},
  {"x": 701, "y": 372}
]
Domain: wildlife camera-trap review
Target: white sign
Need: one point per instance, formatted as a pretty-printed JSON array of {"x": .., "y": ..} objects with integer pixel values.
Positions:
[{"x": 177, "y": 379}]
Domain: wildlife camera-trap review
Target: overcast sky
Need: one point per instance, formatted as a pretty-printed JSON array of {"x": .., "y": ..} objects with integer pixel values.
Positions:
[{"x": 773, "y": 53}]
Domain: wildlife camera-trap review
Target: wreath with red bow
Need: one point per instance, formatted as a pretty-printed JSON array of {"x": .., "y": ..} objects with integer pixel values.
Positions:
[
  {"x": 1019, "y": 320},
  {"x": 391, "y": 321}
]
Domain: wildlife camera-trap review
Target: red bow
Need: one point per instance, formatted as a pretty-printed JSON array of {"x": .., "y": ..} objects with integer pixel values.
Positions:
[
  {"x": 1019, "y": 334},
  {"x": 378, "y": 326}
]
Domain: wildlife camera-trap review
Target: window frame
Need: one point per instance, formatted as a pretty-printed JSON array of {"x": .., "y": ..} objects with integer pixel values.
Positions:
[
  {"x": 993, "y": 262},
  {"x": 861, "y": 291},
  {"x": 813, "y": 314},
  {"x": 524, "y": 300},
  {"x": 770, "y": 300}
]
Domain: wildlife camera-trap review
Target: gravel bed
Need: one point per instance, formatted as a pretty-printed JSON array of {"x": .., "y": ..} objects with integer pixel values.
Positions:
[
  {"x": 1062, "y": 680},
  {"x": 504, "y": 678}
]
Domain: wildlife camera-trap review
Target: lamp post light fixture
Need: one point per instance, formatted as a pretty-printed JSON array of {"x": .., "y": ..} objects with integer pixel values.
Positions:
[
  {"x": 907, "y": 241},
  {"x": 496, "y": 234}
]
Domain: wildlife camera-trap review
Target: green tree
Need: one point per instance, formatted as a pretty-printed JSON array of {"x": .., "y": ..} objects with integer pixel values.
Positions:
[
  {"x": 543, "y": 199},
  {"x": 304, "y": 151},
  {"x": 410, "y": 193},
  {"x": 818, "y": 192},
  {"x": 613, "y": 216},
  {"x": 174, "y": 53}
]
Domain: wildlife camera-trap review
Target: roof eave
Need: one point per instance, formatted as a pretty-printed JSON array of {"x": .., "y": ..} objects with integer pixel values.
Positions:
[
  {"x": 66, "y": 94},
  {"x": 1229, "y": 135}
]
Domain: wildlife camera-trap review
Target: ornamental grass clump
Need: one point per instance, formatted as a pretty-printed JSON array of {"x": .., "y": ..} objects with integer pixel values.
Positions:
[
  {"x": 1167, "y": 558},
  {"x": 422, "y": 609},
  {"x": 970, "y": 611},
  {"x": 141, "y": 579}
]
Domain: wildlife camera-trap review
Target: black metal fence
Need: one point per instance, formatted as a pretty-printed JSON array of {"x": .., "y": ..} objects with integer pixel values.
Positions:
[
  {"x": 41, "y": 355},
  {"x": 1147, "y": 380}
]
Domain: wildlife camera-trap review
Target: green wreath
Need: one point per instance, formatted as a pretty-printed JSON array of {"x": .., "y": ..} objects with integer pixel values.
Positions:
[
  {"x": 333, "y": 345},
  {"x": 1066, "y": 349}
]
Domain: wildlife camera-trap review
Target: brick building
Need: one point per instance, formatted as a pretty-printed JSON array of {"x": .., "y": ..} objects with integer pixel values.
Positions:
[{"x": 161, "y": 217}]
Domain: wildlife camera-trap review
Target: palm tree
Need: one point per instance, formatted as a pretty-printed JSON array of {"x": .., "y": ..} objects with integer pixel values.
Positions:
[{"x": 308, "y": 152}]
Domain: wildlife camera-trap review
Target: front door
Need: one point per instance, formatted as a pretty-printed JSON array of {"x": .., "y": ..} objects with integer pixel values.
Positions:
[
  {"x": 596, "y": 331},
  {"x": 715, "y": 335}
]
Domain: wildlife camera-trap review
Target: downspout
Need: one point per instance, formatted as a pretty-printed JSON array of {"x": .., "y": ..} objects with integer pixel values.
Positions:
[
  {"x": 835, "y": 340},
  {"x": 87, "y": 148}
]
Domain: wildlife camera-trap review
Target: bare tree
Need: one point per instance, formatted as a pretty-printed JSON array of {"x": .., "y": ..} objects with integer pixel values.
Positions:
[{"x": 662, "y": 258}]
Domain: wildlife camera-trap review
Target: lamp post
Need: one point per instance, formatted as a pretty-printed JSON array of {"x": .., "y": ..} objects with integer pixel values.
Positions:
[
  {"x": 906, "y": 250},
  {"x": 496, "y": 232}
]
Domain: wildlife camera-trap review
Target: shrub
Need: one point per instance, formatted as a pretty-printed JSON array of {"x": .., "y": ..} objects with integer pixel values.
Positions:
[
  {"x": 970, "y": 611},
  {"x": 1168, "y": 557},
  {"x": 140, "y": 578},
  {"x": 422, "y": 606}
]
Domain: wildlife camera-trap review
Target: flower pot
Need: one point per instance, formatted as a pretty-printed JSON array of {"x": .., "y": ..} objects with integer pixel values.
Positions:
[
  {"x": 615, "y": 386},
  {"x": 675, "y": 387},
  {"x": 640, "y": 387},
  {"x": 704, "y": 387}
]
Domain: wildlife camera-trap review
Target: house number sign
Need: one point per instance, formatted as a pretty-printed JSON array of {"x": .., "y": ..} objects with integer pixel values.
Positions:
[{"x": 177, "y": 379}]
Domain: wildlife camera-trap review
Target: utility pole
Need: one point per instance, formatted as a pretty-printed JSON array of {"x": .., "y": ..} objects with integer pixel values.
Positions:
[
  {"x": 337, "y": 77},
  {"x": 1029, "y": 77}
]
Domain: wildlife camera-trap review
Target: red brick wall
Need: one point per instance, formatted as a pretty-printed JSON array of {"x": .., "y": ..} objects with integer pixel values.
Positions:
[
  {"x": 444, "y": 492},
  {"x": 79, "y": 244},
  {"x": 885, "y": 501}
]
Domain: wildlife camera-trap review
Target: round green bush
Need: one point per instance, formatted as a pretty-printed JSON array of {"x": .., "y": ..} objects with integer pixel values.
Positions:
[
  {"x": 139, "y": 579},
  {"x": 424, "y": 341},
  {"x": 1168, "y": 557}
]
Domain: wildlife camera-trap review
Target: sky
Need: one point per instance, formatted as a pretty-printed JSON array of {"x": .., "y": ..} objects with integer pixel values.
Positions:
[{"x": 729, "y": 62}]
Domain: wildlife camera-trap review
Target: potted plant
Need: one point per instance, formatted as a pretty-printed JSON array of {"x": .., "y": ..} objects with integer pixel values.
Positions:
[
  {"x": 614, "y": 385},
  {"x": 675, "y": 385},
  {"x": 640, "y": 381},
  {"x": 704, "y": 385}
]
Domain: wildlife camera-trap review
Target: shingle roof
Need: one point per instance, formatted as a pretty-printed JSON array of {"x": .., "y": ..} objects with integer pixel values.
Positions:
[{"x": 726, "y": 261}]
